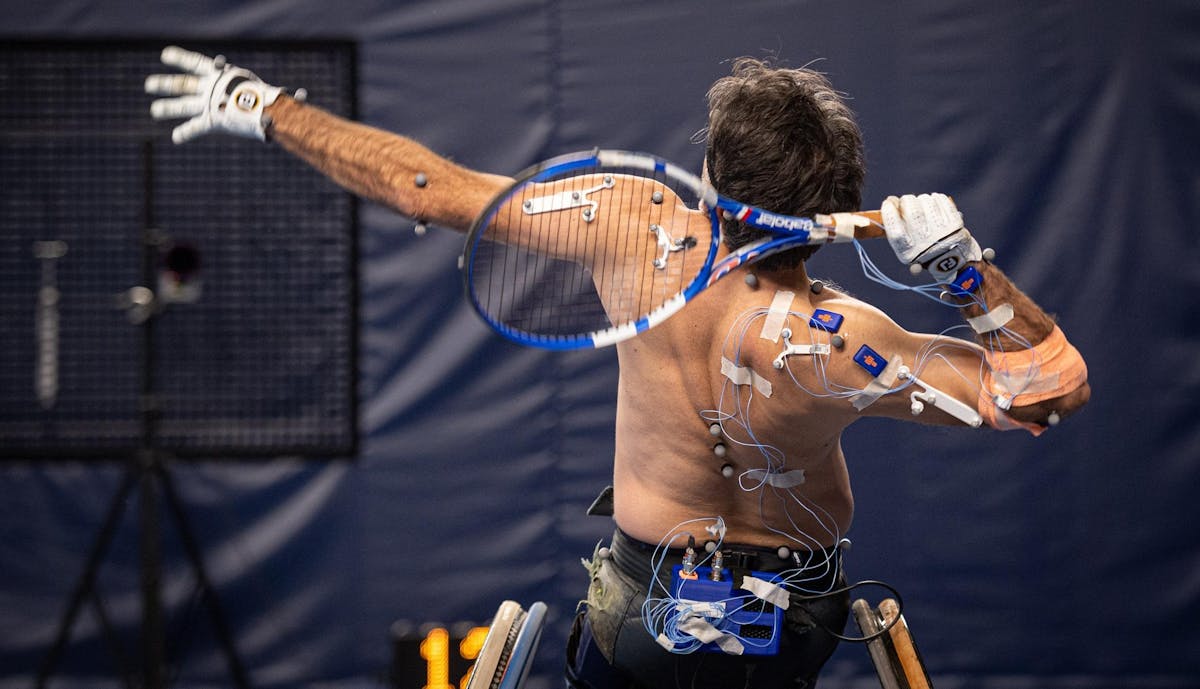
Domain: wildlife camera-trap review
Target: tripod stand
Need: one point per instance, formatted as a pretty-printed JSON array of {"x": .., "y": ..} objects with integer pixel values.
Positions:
[{"x": 148, "y": 471}]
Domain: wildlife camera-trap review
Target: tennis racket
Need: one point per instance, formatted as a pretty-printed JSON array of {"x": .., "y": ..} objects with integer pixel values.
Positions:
[{"x": 589, "y": 249}]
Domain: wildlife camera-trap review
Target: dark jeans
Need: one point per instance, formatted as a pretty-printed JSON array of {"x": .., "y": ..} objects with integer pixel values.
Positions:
[{"x": 610, "y": 648}]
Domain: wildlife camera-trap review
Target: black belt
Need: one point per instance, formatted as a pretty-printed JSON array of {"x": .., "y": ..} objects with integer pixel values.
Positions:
[{"x": 636, "y": 559}]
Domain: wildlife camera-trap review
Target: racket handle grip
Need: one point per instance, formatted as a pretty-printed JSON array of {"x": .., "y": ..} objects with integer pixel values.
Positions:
[
  {"x": 873, "y": 230},
  {"x": 865, "y": 225}
]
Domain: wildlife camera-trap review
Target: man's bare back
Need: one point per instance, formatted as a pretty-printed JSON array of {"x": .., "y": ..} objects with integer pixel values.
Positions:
[{"x": 666, "y": 470}]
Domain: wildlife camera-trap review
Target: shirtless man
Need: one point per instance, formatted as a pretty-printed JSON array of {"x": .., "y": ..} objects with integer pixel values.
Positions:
[{"x": 766, "y": 484}]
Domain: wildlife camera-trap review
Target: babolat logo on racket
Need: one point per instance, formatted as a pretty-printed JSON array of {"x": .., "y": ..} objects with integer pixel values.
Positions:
[{"x": 779, "y": 222}]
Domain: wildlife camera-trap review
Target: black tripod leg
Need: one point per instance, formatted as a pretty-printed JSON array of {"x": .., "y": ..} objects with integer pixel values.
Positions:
[
  {"x": 236, "y": 670},
  {"x": 87, "y": 581},
  {"x": 154, "y": 650},
  {"x": 114, "y": 647}
]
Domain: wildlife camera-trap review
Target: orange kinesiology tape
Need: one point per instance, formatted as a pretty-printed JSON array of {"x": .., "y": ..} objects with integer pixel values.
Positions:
[{"x": 1049, "y": 369}]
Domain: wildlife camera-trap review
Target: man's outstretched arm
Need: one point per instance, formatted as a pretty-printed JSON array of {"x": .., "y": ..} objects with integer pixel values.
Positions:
[
  {"x": 384, "y": 167},
  {"x": 388, "y": 168}
]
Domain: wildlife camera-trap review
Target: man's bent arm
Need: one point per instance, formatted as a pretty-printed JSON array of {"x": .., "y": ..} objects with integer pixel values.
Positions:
[
  {"x": 1034, "y": 327},
  {"x": 384, "y": 167},
  {"x": 1032, "y": 376}
]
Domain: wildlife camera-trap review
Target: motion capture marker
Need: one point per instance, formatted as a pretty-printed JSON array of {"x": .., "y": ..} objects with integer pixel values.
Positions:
[
  {"x": 752, "y": 280},
  {"x": 727, "y": 471},
  {"x": 915, "y": 268},
  {"x": 603, "y": 553},
  {"x": 720, "y": 450},
  {"x": 300, "y": 96},
  {"x": 419, "y": 229},
  {"x": 710, "y": 546},
  {"x": 838, "y": 341},
  {"x": 784, "y": 552},
  {"x": 656, "y": 198},
  {"x": 844, "y": 545},
  {"x": 1053, "y": 419},
  {"x": 421, "y": 180},
  {"x": 817, "y": 286},
  {"x": 989, "y": 254},
  {"x": 219, "y": 62},
  {"x": 714, "y": 428}
]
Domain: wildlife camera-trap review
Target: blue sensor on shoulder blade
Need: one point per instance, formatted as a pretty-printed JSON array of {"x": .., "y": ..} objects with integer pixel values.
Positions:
[
  {"x": 828, "y": 321},
  {"x": 871, "y": 360},
  {"x": 967, "y": 282}
]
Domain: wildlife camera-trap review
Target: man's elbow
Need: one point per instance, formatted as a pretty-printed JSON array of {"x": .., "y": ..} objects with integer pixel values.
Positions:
[{"x": 1049, "y": 412}]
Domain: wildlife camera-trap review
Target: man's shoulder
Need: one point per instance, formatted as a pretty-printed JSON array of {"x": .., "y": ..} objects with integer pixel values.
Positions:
[{"x": 851, "y": 308}]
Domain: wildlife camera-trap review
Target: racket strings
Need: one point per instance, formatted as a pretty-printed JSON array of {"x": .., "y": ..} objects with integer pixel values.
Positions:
[
  {"x": 519, "y": 277},
  {"x": 557, "y": 274}
]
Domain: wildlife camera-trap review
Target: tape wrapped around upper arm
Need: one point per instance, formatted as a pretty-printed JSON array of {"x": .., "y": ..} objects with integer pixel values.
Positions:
[{"x": 1049, "y": 369}]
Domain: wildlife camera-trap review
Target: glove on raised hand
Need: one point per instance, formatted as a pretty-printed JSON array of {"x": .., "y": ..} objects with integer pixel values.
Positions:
[
  {"x": 214, "y": 95},
  {"x": 927, "y": 231}
]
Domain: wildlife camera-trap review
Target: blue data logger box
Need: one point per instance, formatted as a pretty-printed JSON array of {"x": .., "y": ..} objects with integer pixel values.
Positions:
[{"x": 756, "y": 623}]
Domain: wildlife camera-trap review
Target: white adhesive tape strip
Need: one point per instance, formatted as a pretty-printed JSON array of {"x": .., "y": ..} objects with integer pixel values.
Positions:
[
  {"x": 742, "y": 375},
  {"x": 786, "y": 479},
  {"x": 773, "y": 324},
  {"x": 765, "y": 590},
  {"x": 992, "y": 320},
  {"x": 706, "y": 633},
  {"x": 844, "y": 224},
  {"x": 840, "y": 226},
  {"x": 879, "y": 386}
]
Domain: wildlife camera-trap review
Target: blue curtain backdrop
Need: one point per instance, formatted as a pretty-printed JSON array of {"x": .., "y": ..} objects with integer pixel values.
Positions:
[{"x": 1066, "y": 131}]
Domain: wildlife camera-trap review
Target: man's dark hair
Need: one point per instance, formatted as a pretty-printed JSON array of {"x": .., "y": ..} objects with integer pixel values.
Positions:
[{"x": 781, "y": 139}]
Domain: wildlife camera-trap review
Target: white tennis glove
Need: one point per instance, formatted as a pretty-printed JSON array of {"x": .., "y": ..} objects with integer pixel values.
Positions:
[
  {"x": 215, "y": 95},
  {"x": 927, "y": 231}
]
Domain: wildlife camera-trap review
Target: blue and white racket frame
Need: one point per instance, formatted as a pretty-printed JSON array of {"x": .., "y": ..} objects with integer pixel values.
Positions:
[{"x": 786, "y": 231}]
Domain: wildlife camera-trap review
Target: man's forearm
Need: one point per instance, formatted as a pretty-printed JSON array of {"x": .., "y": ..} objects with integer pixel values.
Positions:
[
  {"x": 1029, "y": 321},
  {"x": 1033, "y": 326},
  {"x": 384, "y": 167}
]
